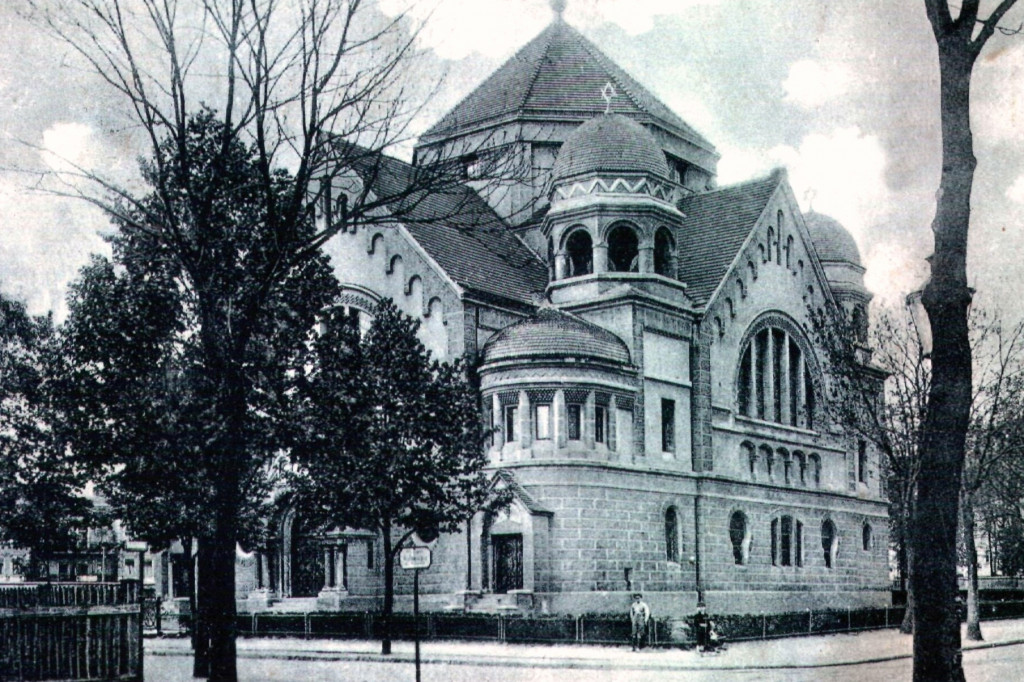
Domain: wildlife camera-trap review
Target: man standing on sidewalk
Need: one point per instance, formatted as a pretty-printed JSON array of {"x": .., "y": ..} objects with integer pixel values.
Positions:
[{"x": 639, "y": 615}]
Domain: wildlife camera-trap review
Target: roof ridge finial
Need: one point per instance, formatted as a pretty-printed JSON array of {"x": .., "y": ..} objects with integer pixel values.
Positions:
[
  {"x": 809, "y": 197},
  {"x": 559, "y": 7}
]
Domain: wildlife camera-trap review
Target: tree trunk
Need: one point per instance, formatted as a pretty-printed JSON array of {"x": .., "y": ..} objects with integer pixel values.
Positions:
[
  {"x": 389, "y": 591},
  {"x": 973, "y": 610},
  {"x": 907, "y": 626},
  {"x": 937, "y": 652},
  {"x": 200, "y": 618}
]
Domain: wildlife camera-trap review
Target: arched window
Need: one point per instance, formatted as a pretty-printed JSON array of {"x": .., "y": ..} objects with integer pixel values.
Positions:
[
  {"x": 664, "y": 253},
  {"x": 672, "y": 543},
  {"x": 814, "y": 471},
  {"x": 787, "y": 541},
  {"x": 829, "y": 542},
  {"x": 623, "y": 250},
  {"x": 775, "y": 380},
  {"x": 749, "y": 456},
  {"x": 739, "y": 537},
  {"x": 865, "y": 537},
  {"x": 580, "y": 251}
]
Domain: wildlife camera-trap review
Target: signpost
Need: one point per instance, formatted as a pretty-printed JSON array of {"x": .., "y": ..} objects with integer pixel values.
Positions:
[
  {"x": 140, "y": 547},
  {"x": 415, "y": 559}
]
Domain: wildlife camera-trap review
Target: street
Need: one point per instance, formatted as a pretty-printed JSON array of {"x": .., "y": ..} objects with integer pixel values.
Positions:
[{"x": 983, "y": 665}]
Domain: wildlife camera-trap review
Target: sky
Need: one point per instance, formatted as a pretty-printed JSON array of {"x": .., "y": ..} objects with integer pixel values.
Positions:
[{"x": 843, "y": 95}]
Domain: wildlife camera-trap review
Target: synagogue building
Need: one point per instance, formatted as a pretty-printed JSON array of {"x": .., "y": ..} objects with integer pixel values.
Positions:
[{"x": 643, "y": 337}]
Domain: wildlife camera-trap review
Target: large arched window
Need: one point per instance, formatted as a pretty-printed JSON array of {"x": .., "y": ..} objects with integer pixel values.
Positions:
[
  {"x": 739, "y": 537},
  {"x": 623, "y": 250},
  {"x": 775, "y": 381},
  {"x": 673, "y": 546},
  {"x": 664, "y": 253},
  {"x": 579, "y": 248},
  {"x": 829, "y": 542}
]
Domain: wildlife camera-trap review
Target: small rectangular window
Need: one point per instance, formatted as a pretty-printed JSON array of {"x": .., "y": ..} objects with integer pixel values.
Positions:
[
  {"x": 574, "y": 419},
  {"x": 668, "y": 425},
  {"x": 600, "y": 417},
  {"x": 542, "y": 421},
  {"x": 369, "y": 555},
  {"x": 511, "y": 417}
]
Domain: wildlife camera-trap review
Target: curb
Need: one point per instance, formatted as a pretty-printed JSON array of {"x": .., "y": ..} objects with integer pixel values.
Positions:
[{"x": 555, "y": 663}]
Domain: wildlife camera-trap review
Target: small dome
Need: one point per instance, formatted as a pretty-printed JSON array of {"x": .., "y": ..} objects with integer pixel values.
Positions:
[
  {"x": 832, "y": 241},
  {"x": 552, "y": 333},
  {"x": 609, "y": 143}
]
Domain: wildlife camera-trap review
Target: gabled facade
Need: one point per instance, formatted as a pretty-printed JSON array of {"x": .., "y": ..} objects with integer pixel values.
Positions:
[{"x": 656, "y": 398}]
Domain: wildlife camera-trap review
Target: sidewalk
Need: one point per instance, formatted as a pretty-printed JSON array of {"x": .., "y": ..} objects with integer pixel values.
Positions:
[{"x": 794, "y": 652}]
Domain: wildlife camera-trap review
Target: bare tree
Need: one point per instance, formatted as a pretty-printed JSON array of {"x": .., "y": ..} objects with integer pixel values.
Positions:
[
  {"x": 946, "y": 297},
  {"x": 320, "y": 88},
  {"x": 994, "y": 437},
  {"x": 878, "y": 392}
]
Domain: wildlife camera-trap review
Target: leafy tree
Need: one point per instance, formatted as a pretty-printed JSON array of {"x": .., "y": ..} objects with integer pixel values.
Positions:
[
  {"x": 388, "y": 439},
  {"x": 42, "y": 507},
  {"x": 177, "y": 355},
  {"x": 946, "y": 298}
]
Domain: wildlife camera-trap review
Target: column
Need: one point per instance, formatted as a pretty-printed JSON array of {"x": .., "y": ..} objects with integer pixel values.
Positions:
[
  {"x": 645, "y": 262},
  {"x": 342, "y": 567},
  {"x": 561, "y": 265},
  {"x": 784, "y": 383},
  {"x": 559, "y": 421},
  {"x": 752, "y": 404},
  {"x": 801, "y": 392},
  {"x": 601, "y": 257},
  {"x": 525, "y": 421},
  {"x": 769, "y": 375},
  {"x": 329, "y": 567},
  {"x": 259, "y": 570}
]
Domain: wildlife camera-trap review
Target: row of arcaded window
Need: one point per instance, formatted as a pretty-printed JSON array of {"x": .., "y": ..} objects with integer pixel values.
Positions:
[
  {"x": 623, "y": 251},
  {"x": 786, "y": 536},
  {"x": 775, "y": 382},
  {"x": 781, "y": 466},
  {"x": 787, "y": 540}
]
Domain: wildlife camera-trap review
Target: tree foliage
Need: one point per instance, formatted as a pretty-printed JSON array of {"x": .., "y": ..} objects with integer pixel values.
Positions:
[
  {"x": 42, "y": 506},
  {"x": 179, "y": 348},
  {"x": 388, "y": 439}
]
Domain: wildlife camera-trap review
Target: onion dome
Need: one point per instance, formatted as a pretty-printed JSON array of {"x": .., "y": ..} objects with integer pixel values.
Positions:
[
  {"x": 832, "y": 241},
  {"x": 610, "y": 143},
  {"x": 552, "y": 333}
]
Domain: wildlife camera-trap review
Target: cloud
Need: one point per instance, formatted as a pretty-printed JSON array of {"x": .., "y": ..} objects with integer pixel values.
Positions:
[
  {"x": 458, "y": 28},
  {"x": 811, "y": 83},
  {"x": 1015, "y": 192},
  {"x": 997, "y": 90}
]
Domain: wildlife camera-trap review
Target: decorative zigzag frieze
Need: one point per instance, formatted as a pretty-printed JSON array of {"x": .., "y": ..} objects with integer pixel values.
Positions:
[{"x": 618, "y": 185}]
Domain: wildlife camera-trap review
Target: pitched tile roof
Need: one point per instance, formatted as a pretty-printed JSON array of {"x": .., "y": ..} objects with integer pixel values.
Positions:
[
  {"x": 715, "y": 226},
  {"x": 560, "y": 72},
  {"x": 460, "y": 231}
]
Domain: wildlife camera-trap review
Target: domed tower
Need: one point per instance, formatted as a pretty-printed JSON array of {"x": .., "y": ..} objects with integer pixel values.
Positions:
[
  {"x": 840, "y": 258},
  {"x": 613, "y": 210}
]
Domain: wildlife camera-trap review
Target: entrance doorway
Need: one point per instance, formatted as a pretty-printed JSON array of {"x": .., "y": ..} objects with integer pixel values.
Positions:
[
  {"x": 307, "y": 562},
  {"x": 508, "y": 562}
]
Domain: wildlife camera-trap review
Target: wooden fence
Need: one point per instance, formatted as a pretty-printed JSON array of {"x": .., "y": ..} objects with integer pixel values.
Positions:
[{"x": 70, "y": 631}]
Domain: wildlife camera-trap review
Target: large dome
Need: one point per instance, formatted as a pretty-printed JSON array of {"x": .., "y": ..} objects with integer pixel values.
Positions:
[
  {"x": 831, "y": 240},
  {"x": 609, "y": 143},
  {"x": 554, "y": 334}
]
